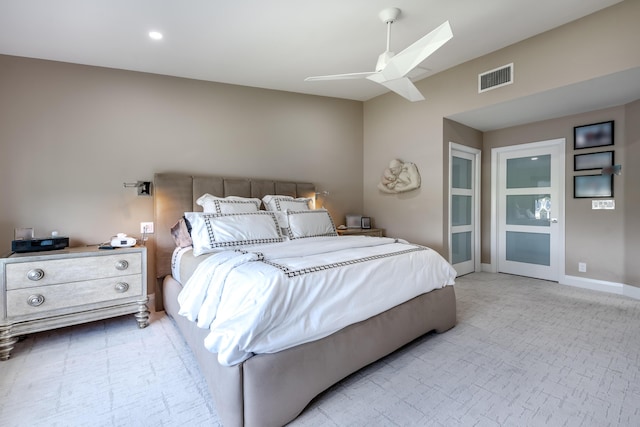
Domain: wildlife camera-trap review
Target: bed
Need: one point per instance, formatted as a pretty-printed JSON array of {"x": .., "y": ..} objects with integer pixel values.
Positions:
[{"x": 274, "y": 387}]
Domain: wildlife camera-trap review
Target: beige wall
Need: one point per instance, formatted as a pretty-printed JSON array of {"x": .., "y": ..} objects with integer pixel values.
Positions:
[
  {"x": 71, "y": 135},
  {"x": 414, "y": 131}
]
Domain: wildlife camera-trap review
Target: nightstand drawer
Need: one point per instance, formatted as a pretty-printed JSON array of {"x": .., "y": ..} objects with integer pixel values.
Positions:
[
  {"x": 41, "y": 300},
  {"x": 52, "y": 271},
  {"x": 375, "y": 232}
]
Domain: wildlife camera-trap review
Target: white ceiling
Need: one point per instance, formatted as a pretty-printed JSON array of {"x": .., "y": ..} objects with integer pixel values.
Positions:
[{"x": 275, "y": 44}]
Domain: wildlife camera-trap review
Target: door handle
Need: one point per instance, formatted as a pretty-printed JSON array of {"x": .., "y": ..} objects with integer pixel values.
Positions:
[{"x": 553, "y": 220}]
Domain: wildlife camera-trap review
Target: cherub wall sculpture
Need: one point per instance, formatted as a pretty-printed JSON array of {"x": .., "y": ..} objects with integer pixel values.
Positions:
[{"x": 399, "y": 177}]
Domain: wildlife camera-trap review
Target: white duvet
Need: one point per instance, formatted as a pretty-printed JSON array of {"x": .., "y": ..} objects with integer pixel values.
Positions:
[{"x": 267, "y": 298}]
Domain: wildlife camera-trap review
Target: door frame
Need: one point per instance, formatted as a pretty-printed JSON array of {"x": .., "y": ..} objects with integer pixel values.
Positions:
[
  {"x": 476, "y": 204},
  {"x": 561, "y": 142}
]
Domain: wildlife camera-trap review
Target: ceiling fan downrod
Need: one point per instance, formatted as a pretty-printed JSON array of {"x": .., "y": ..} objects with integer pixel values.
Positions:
[{"x": 387, "y": 16}]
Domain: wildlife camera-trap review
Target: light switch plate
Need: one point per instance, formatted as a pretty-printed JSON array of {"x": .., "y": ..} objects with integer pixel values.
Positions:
[{"x": 603, "y": 204}]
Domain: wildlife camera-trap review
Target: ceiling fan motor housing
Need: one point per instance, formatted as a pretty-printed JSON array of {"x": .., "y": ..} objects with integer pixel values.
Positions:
[{"x": 383, "y": 60}]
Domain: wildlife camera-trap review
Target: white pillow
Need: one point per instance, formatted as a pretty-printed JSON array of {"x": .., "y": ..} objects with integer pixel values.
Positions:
[
  {"x": 314, "y": 223},
  {"x": 283, "y": 203},
  {"x": 210, "y": 232},
  {"x": 283, "y": 221},
  {"x": 231, "y": 204}
]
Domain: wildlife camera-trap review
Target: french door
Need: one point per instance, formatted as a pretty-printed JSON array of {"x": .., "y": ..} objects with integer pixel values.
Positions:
[
  {"x": 530, "y": 209},
  {"x": 464, "y": 209}
]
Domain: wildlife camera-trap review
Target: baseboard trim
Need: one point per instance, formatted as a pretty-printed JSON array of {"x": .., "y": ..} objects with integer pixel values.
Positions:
[
  {"x": 488, "y": 268},
  {"x": 631, "y": 291},
  {"x": 593, "y": 284},
  {"x": 602, "y": 286}
]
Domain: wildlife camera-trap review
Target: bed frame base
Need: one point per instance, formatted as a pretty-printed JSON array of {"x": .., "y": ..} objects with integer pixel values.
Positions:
[{"x": 273, "y": 389}]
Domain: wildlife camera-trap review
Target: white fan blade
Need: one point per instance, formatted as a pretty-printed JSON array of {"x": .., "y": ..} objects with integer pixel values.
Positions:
[
  {"x": 405, "y": 61},
  {"x": 402, "y": 86},
  {"x": 341, "y": 76}
]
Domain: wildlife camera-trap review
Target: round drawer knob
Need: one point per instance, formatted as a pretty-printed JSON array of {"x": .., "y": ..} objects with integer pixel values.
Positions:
[
  {"x": 35, "y": 274},
  {"x": 122, "y": 287},
  {"x": 122, "y": 265},
  {"x": 35, "y": 300}
]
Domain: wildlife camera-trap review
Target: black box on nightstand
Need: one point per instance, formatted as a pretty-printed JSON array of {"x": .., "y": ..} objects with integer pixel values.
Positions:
[{"x": 37, "y": 245}]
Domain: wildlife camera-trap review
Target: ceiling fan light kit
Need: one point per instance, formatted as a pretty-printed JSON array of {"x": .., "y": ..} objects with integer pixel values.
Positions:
[{"x": 391, "y": 70}]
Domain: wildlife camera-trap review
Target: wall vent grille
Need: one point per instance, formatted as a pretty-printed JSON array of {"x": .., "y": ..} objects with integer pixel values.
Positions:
[{"x": 495, "y": 78}]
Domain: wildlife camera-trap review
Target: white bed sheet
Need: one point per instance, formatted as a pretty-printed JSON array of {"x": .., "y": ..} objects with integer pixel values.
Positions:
[
  {"x": 271, "y": 297},
  {"x": 176, "y": 259}
]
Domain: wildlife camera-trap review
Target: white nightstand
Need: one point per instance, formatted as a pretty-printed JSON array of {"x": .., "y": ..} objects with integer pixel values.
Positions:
[{"x": 52, "y": 289}]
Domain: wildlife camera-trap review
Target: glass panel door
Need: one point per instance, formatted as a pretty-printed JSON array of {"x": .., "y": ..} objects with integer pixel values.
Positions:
[
  {"x": 529, "y": 205},
  {"x": 462, "y": 212}
]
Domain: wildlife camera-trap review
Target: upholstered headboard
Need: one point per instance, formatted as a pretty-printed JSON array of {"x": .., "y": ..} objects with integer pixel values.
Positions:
[{"x": 175, "y": 194}]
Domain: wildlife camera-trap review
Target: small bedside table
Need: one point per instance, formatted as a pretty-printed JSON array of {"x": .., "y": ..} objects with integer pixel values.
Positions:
[
  {"x": 376, "y": 232},
  {"x": 51, "y": 289}
]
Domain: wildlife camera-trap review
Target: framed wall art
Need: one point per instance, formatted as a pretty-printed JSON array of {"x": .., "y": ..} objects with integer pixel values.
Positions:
[
  {"x": 591, "y": 186},
  {"x": 594, "y": 135},
  {"x": 585, "y": 162}
]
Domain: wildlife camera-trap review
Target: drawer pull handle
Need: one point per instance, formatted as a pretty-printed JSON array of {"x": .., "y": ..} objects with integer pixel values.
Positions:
[
  {"x": 35, "y": 274},
  {"x": 35, "y": 300},
  {"x": 122, "y": 265},
  {"x": 122, "y": 287}
]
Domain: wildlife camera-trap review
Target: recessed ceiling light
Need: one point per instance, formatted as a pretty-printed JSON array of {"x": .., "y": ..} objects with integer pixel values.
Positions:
[{"x": 155, "y": 35}]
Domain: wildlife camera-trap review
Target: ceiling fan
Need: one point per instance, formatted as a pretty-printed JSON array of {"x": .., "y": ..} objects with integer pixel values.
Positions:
[{"x": 391, "y": 69}]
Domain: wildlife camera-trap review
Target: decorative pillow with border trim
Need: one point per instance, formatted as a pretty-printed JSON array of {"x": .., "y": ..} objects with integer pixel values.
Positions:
[
  {"x": 210, "y": 232},
  {"x": 283, "y": 203},
  {"x": 231, "y": 204},
  {"x": 314, "y": 223}
]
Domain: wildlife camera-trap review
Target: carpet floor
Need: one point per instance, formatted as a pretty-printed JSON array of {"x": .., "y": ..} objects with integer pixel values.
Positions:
[{"x": 525, "y": 352}]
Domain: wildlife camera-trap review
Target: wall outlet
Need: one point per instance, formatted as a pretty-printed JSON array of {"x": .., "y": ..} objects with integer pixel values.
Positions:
[
  {"x": 582, "y": 267},
  {"x": 146, "y": 227}
]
